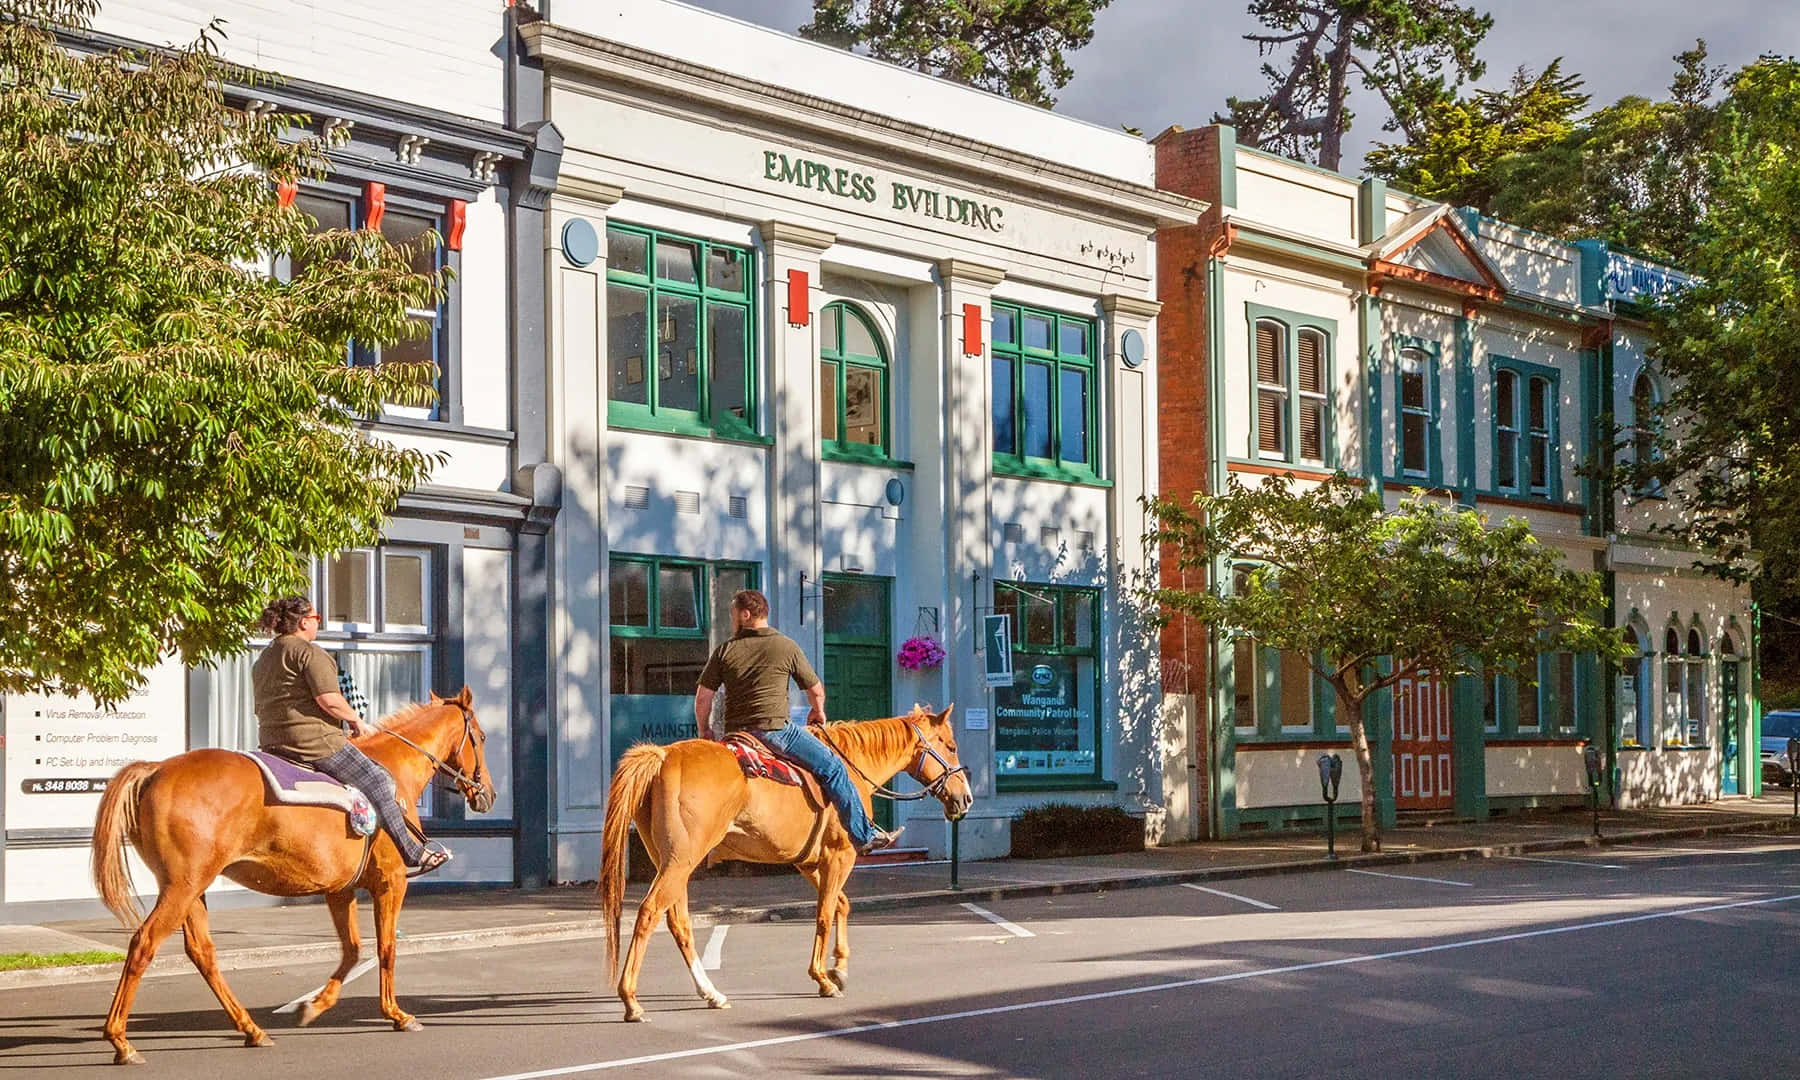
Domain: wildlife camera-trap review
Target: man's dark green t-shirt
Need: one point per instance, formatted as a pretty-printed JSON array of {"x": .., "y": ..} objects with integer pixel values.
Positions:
[{"x": 754, "y": 668}]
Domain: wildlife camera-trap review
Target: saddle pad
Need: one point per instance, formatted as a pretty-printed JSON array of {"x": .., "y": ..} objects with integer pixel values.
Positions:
[
  {"x": 296, "y": 785},
  {"x": 760, "y": 763}
]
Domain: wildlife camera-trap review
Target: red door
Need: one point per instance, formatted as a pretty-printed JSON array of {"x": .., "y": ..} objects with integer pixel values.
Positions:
[{"x": 1423, "y": 777}]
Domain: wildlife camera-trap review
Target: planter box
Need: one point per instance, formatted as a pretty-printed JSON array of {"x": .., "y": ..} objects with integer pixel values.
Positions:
[{"x": 1100, "y": 836}]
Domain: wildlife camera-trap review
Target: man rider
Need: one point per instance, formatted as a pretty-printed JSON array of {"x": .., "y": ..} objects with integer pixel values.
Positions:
[{"x": 754, "y": 667}]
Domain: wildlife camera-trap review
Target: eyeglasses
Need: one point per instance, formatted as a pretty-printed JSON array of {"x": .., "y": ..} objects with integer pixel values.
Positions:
[{"x": 313, "y": 615}]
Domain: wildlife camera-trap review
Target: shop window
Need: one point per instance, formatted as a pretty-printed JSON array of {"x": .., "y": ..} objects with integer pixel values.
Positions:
[
  {"x": 1274, "y": 691},
  {"x": 1694, "y": 708},
  {"x": 1047, "y": 724},
  {"x": 1418, "y": 413},
  {"x": 680, "y": 334},
  {"x": 854, "y": 406},
  {"x": 1045, "y": 407},
  {"x": 1292, "y": 377},
  {"x": 415, "y": 225}
]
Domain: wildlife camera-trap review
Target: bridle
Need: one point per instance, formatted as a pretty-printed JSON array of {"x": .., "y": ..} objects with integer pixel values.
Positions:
[
  {"x": 464, "y": 781},
  {"x": 933, "y": 787}
]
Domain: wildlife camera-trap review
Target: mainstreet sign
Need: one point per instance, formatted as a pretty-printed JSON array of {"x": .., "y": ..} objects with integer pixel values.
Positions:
[{"x": 996, "y": 638}]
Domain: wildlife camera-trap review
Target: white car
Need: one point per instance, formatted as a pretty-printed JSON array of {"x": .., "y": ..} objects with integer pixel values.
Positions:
[{"x": 1777, "y": 728}]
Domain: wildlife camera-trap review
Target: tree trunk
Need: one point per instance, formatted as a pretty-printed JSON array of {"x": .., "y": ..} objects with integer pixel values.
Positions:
[
  {"x": 1350, "y": 709},
  {"x": 1331, "y": 140}
]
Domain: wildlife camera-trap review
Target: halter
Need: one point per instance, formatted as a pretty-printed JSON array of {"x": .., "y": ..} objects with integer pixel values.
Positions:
[
  {"x": 439, "y": 766},
  {"x": 935, "y": 787}
]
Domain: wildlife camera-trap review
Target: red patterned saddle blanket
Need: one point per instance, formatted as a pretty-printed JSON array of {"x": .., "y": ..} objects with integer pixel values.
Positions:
[{"x": 761, "y": 763}]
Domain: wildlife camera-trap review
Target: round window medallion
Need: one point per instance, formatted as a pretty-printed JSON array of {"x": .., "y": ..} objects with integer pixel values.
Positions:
[
  {"x": 580, "y": 243},
  {"x": 1131, "y": 348}
]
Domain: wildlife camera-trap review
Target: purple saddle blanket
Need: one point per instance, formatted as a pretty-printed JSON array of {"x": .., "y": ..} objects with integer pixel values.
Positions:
[{"x": 296, "y": 785}]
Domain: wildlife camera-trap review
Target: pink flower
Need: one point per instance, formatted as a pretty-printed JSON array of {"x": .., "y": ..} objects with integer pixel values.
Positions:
[{"x": 919, "y": 653}]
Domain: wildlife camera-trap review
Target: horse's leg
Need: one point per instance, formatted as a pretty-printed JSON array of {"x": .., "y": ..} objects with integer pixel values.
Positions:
[
  {"x": 171, "y": 909},
  {"x": 828, "y": 876},
  {"x": 343, "y": 916},
  {"x": 670, "y": 885},
  {"x": 390, "y": 893},
  {"x": 681, "y": 928},
  {"x": 840, "y": 952},
  {"x": 198, "y": 935}
]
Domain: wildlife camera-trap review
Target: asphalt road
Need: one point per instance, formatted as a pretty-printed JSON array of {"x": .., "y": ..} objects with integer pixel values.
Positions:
[{"x": 1673, "y": 961}]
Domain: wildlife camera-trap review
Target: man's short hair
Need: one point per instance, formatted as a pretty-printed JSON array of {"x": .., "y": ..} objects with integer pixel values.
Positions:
[{"x": 751, "y": 602}]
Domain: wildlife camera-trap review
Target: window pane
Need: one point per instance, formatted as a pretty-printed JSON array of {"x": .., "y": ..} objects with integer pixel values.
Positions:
[
  {"x": 1040, "y": 619},
  {"x": 677, "y": 260},
  {"x": 828, "y": 401},
  {"x": 1270, "y": 370},
  {"x": 347, "y": 578},
  {"x": 1312, "y": 430},
  {"x": 1037, "y": 411},
  {"x": 1506, "y": 462},
  {"x": 1005, "y": 437},
  {"x": 405, "y": 229},
  {"x": 1565, "y": 689},
  {"x": 725, "y": 350},
  {"x": 1506, "y": 399},
  {"x": 658, "y": 666},
  {"x": 855, "y": 608},
  {"x": 863, "y": 407},
  {"x": 728, "y": 581},
  {"x": 1078, "y": 620},
  {"x": 1412, "y": 450},
  {"x": 1540, "y": 463},
  {"x": 828, "y": 329},
  {"x": 628, "y": 593},
  {"x": 1074, "y": 405},
  {"x": 1693, "y": 644},
  {"x": 677, "y": 354},
  {"x": 1243, "y": 678},
  {"x": 1528, "y": 705},
  {"x": 1037, "y": 331},
  {"x": 627, "y": 252},
  {"x": 1296, "y": 691},
  {"x": 329, "y": 213},
  {"x": 1271, "y": 410},
  {"x": 414, "y": 350},
  {"x": 1671, "y": 641},
  {"x": 1412, "y": 388},
  {"x": 1005, "y": 328},
  {"x": 678, "y": 597},
  {"x": 1073, "y": 338},
  {"x": 1540, "y": 404},
  {"x": 1696, "y": 703},
  {"x": 857, "y": 339},
  {"x": 403, "y": 590},
  {"x": 627, "y": 343},
  {"x": 1006, "y": 602},
  {"x": 725, "y": 270}
]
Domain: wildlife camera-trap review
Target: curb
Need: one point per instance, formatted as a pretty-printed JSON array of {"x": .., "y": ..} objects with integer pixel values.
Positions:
[{"x": 447, "y": 941}]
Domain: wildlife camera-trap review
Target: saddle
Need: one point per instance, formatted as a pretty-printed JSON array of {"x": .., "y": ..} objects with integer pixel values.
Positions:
[
  {"x": 761, "y": 763},
  {"x": 291, "y": 784}
]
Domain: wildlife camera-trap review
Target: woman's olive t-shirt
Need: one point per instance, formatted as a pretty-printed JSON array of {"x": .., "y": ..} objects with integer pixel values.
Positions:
[{"x": 288, "y": 678}]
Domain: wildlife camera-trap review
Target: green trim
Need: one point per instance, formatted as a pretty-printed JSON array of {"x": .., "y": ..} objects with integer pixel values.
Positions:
[
  {"x": 842, "y": 361},
  {"x": 1034, "y": 469},
  {"x": 1371, "y": 210},
  {"x": 1465, "y": 408},
  {"x": 627, "y": 416},
  {"x": 849, "y": 455},
  {"x": 1292, "y": 323},
  {"x": 1310, "y": 815},
  {"x": 704, "y": 571},
  {"x": 1013, "y": 784},
  {"x": 1525, "y": 372},
  {"x": 1012, "y": 458},
  {"x": 650, "y": 414},
  {"x": 885, "y": 639},
  {"x": 1368, "y": 309},
  {"x": 1433, "y": 412}
]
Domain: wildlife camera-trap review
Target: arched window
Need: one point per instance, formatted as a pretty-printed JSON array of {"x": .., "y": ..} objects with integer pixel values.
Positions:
[
  {"x": 1674, "y": 686},
  {"x": 853, "y": 384},
  {"x": 1696, "y": 689},
  {"x": 1644, "y": 400},
  {"x": 1310, "y": 369},
  {"x": 1416, "y": 411},
  {"x": 1636, "y": 720}
]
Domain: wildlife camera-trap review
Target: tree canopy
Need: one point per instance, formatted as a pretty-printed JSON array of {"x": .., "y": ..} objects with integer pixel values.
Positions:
[
  {"x": 1411, "y": 53},
  {"x": 1011, "y": 47},
  {"x": 178, "y": 428},
  {"x": 1371, "y": 596}
]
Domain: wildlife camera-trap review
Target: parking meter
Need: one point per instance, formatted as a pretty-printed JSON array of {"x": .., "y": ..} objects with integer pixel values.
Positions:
[
  {"x": 1794, "y": 771},
  {"x": 1331, "y": 774},
  {"x": 1590, "y": 757}
]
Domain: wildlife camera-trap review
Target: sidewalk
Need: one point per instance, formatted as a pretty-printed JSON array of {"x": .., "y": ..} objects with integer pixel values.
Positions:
[{"x": 301, "y": 934}]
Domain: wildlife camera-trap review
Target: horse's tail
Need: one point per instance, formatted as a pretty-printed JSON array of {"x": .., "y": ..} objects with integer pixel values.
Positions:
[
  {"x": 631, "y": 782},
  {"x": 115, "y": 824}
]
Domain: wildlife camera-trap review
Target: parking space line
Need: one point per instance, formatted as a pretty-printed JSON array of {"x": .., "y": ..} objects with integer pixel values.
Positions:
[
  {"x": 1130, "y": 991},
  {"x": 1564, "y": 862},
  {"x": 1229, "y": 896},
  {"x": 714, "y": 956},
  {"x": 1411, "y": 877},
  {"x": 360, "y": 969},
  {"x": 1010, "y": 927}
]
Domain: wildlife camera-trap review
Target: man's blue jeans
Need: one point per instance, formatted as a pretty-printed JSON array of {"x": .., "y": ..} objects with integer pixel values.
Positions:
[{"x": 822, "y": 761}]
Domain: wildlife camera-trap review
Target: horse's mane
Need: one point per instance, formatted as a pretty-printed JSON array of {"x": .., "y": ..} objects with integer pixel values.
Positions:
[
  {"x": 875, "y": 738},
  {"x": 405, "y": 713}
]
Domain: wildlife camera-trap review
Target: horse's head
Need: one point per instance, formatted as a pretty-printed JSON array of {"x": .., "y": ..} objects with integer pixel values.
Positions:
[
  {"x": 469, "y": 758},
  {"x": 937, "y": 766}
]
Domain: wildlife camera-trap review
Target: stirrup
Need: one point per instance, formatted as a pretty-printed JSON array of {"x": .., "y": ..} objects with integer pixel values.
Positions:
[
  {"x": 436, "y": 855},
  {"x": 882, "y": 840}
]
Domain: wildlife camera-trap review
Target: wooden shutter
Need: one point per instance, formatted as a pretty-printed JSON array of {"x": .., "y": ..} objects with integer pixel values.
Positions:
[
  {"x": 1312, "y": 363},
  {"x": 1268, "y": 354}
]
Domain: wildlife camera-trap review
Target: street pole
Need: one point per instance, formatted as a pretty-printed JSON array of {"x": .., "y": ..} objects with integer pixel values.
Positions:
[
  {"x": 1590, "y": 758},
  {"x": 955, "y": 852}
]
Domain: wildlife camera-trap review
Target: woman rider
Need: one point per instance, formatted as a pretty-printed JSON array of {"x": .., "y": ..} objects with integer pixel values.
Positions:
[{"x": 301, "y": 716}]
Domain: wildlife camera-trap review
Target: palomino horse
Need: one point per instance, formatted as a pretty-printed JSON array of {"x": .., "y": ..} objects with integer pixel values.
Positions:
[
  {"x": 203, "y": 813},
  {"x": 692, "y": 797}
]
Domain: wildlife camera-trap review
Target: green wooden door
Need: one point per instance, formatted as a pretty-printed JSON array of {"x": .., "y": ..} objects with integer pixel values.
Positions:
[
  {"x": 858, "y": 669},
  {"x": 1733, "y": 779}
]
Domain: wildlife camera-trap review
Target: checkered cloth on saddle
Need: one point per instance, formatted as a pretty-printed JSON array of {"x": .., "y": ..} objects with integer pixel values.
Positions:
[{"x": 761, "y": 763}]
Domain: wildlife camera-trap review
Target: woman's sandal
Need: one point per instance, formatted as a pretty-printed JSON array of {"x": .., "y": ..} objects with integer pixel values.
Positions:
[{"x": 435, "y": 856}]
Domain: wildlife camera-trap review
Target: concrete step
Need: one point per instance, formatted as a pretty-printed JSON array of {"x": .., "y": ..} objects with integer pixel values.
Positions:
[{"x": 893, "y": 855}]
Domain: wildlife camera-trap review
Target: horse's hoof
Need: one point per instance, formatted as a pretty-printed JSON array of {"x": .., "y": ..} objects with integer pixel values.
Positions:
[
  {"x": 720, "y": 1002},
  {"x": 839, "y": 976},
  {"x": 128, "y": 1057},
  {"x": 634, "y": 1014},
  {"x": 310, "y": 1013},
  {"x": 258, "y": 1038},
  {"x": 408, "y": 1024},
  {"x": 829, "y": 990}
]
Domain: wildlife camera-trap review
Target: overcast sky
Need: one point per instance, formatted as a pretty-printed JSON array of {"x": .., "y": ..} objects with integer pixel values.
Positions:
[{"x": 1159, "y": 62}]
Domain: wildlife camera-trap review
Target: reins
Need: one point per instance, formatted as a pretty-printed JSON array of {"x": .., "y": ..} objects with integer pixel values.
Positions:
[
  {"x": 932, "y": 788},
  {"x": 439, "y": 765}
]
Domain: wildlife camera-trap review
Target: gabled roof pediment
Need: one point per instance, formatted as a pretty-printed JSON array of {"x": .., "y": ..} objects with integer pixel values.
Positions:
[{"x": 1430, "y": 247}]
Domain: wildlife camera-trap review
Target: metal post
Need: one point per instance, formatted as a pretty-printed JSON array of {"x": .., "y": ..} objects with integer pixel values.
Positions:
[
  {"x": 955, "y": 853},
  {"x": 1794, "y": 772},
  {"x": 1590, "y": 758}
]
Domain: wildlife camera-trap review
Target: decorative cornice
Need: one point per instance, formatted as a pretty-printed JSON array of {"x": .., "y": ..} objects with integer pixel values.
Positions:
[
  {"x": 1115, "y": 304},
  {"x": 785, "y": 234},
  {"x": 972, "y": 273},
  {"x": 598, "y": 192},
  {"x": 1383, "y": 271}
]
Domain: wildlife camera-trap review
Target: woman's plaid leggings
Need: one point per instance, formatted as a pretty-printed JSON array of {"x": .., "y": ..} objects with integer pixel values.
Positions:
[{"x": 352, "y": 766}]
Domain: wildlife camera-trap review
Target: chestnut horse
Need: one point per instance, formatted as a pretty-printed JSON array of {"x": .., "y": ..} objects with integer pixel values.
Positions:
[
  {"x": 691, "y": 797},
  {"x": 204, "y": 813}
]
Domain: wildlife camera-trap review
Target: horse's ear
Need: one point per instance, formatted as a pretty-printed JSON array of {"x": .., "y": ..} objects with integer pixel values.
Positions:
[
  {"x": 434, "y": 696},
  {"x": 465, "y": 697},
  {"x": 944, "y": 717}
]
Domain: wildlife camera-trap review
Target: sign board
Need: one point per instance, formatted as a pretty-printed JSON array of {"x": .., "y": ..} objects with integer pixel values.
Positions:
[
  {"x": 975, "y": 719},
  {"x": 61, "y": 751},
  {"x": 996, "y": 644}
]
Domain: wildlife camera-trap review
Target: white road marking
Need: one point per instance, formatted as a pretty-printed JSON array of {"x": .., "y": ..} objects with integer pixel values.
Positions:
[
  {"x": 1565, "y": 862},
  {"x": 360, "y": 969},
  {"x": 1230, "y": 896},
  {"x": 1411, "y": 877},
  {"x": 1077, "y": 999},
  {"x": 1012, "y": 928},
  {"x": 714, "y": 957}
]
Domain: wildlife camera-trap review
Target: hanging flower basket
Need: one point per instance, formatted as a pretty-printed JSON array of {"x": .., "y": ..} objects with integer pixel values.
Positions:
[{"x": 920, "y": 653}]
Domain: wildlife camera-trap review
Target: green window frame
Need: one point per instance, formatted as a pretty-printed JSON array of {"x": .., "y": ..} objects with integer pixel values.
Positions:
[
  {"x": 640, "y": 603},
  {"x": 1527, "y": 446},
  {"x": 1056, "y": 631},
  {"x": 1046, "y": 394},
  {"x": 1557, "y": 707},
  {"x": 1276, "y": 694},
  {"x": 1292, "y": 373},
  {"x": 1418, "y": 453},
  {"x": 681, "y": 334},
  {"x": 853, "y": 357}
]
